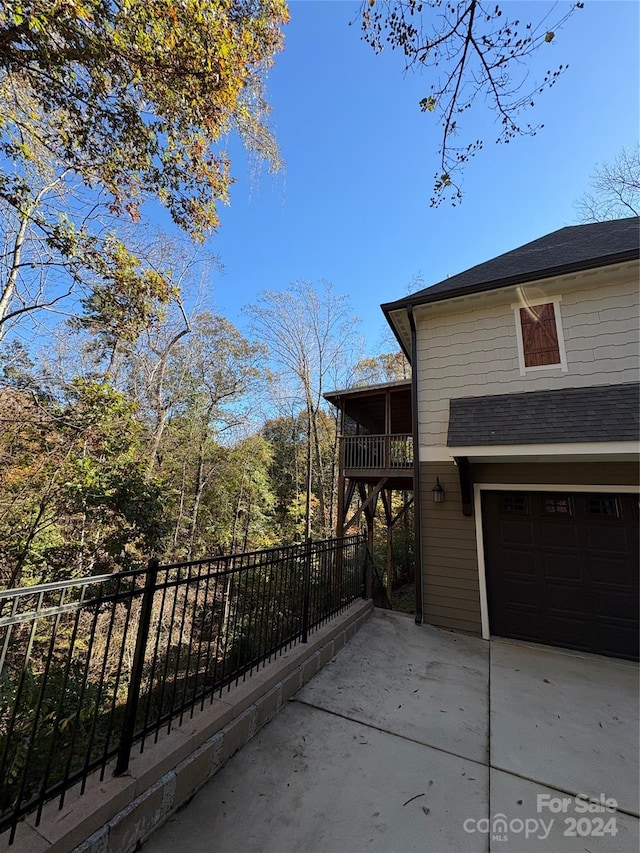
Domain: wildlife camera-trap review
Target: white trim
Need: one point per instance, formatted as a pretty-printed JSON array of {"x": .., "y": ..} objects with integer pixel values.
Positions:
[
  {"x": 590, "y": 488},
  {"x": 522, "y": 487},
  {"x": 482, "y": 578},
  {"x": 525, "y": 303},
  {"x": 584, "y": 448},
  {"x": 441, "y": 453},
  {"x": 438, "y": 453}
]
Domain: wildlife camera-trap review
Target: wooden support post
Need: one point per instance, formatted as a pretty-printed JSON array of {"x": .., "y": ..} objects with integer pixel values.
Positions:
[
  {"x": 369, "y": 586},
  {"x": 341, "y": 506},
  {"x": 368, "y": 506},
  {"x": 368, "y": 500},
  {"x": 387, "y": 412},
  {"x": 407, "y": 503},
  {"x": 466, "y": 484}
]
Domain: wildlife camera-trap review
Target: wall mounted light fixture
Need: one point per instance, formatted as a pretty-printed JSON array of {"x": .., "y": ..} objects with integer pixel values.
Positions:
[{"x": 438, "y": 492}]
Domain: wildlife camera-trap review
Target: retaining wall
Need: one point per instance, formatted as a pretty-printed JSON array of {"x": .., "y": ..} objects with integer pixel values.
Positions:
[{"x": 117, "y": 814}]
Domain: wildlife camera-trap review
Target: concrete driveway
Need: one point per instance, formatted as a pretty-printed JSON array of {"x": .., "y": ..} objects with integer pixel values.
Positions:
[{"x": 416, "y": 739}]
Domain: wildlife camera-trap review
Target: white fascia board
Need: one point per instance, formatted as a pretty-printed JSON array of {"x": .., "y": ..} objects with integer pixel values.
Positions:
[
  {"x": 525, "y": 451},
  {"x": 597, "y": 489},
  {"x": 399, "y": 322}
]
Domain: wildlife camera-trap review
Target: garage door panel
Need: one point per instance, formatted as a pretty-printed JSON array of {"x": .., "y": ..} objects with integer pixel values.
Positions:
[
  {"x": 562, "y": 569},
  {"x": 568, "y": 631},
  {"x": 611, "y": 571},
  {"x": 612, "y": 603},
  {"x": 617, "y": 640},
  {"x": 557, "y": 534},
  {"x": 516, "y": 531},
  {"x": 517, "y": 561},
  {"x": 568, "y": 600},
  {"x": 522, "y": 623},
  {"x": 518, "y": 593},
  {"x": 615, "y": 540}
]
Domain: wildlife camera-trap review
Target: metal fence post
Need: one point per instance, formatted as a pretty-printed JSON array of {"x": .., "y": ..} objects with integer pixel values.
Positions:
[
  {"x": 135, "y": 682},
  {"x": 307, "y": 593}
]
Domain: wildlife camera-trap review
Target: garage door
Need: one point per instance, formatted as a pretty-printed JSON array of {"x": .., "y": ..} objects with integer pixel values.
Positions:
[{"x": 562, "y": 569}]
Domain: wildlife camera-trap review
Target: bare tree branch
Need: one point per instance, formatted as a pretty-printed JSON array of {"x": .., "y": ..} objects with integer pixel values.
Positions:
[
  {"x": 473, "y": 52},
  {"x": 614, "y": 189}
]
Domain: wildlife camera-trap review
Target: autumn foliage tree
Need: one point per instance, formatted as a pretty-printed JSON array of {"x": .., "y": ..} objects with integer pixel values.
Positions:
[
  {"x": 137, "y": 93},
  {"x": 104, "y": 106},
  {"x": 74, "y": 498}
]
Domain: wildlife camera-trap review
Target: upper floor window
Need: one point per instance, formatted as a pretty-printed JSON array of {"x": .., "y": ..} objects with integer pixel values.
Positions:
[{"x": 540, "y": 339}]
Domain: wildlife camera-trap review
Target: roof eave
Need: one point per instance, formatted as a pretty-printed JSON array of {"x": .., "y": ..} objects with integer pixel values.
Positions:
[
  {"x": 398, "y": 336},
  {"x": 510, "y": 281},
  {"x": 335, "y": 397}
]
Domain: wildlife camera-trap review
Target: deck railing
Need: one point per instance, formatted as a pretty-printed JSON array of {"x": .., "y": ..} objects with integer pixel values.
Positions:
[
  {"x": 88, "y": 668},
  {"x": 381, "y": 452}
]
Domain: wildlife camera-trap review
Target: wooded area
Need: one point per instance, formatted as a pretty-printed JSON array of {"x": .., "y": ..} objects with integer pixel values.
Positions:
[
  {"x": 134, "y": 419},
  {"x": 187, "y": 440}
]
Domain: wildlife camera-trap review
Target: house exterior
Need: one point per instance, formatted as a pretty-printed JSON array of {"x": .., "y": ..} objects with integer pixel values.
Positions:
[
  {"x": 376, "y": 460},
  {"x": 525, "y": 387}
]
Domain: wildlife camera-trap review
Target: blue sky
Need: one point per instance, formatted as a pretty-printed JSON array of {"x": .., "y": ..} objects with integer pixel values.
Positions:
[{"x": 352, "y": 204}]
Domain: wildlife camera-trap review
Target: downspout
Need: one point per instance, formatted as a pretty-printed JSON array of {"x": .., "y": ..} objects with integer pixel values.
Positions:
[{"x": 417, "y": 525}]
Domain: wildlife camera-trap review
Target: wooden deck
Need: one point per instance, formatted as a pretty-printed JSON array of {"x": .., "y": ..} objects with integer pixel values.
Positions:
[{"x": 370, "y": 458}]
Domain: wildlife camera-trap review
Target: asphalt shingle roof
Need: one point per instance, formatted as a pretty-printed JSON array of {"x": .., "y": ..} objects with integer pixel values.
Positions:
[
  {"x": 597, "y": 413},
  {"x": 569, "y": 249}
]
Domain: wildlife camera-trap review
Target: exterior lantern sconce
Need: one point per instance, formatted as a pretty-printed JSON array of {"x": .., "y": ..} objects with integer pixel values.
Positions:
[{"x": 438, "y": 492}]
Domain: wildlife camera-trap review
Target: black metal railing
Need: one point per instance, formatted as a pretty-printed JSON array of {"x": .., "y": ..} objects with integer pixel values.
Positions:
[
  {"x": 90, "y": 668},
  {"x": 367, "y": 452}
]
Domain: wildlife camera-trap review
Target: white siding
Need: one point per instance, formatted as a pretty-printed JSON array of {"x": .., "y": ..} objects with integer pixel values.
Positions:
[{"x": 469, "y": 348}]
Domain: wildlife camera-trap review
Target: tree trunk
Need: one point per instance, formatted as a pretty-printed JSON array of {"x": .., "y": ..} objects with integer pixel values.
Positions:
[
  {"x": 12, "y": 279},
  {"x": 161, "y": 408},
  {"x": 307, "y": 533},
  {"x": 9, "y": 288},
  {"x": 234, "y": 530},
  {"x": 176, "y": 532},
  {"x": 314, "y": 443},
  {"x": 246, "y": 527},
  {"x": 197, "y": 497},
  {"x": 335, "y": 450}
]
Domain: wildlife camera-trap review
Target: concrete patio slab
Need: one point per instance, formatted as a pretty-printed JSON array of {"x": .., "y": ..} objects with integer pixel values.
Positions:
[
  {"x": 417, "y": 739},
  {"x": 314, "y": 782},
  {"x": 566, "y": 720},
  {"x": 413, "y": 680},
  {"x": 538, "y": 819}
]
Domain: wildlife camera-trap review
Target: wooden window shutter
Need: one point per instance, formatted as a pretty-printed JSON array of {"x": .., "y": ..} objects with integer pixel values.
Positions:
[{"x": 539, "y": 335}]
